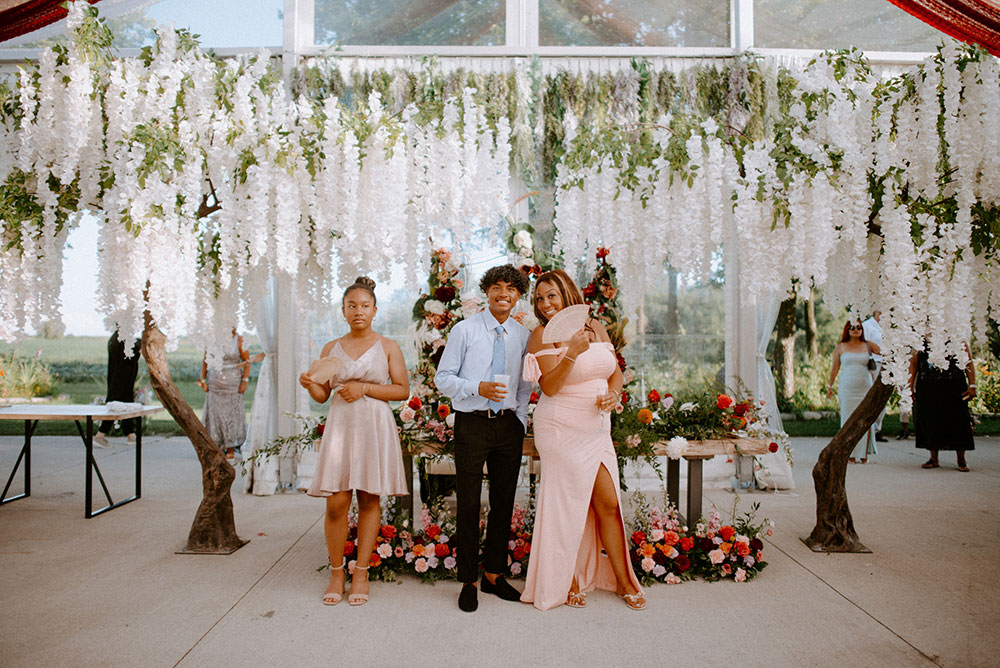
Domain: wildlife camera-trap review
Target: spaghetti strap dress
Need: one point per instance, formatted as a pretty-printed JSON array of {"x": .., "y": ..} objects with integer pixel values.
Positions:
[
  {"x": 573, "y": 439},
  {"x": 360, "y": 446}
]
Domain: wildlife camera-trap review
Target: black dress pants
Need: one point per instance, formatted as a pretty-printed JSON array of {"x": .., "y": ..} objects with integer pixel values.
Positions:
[{"x": 497, "y": 442}]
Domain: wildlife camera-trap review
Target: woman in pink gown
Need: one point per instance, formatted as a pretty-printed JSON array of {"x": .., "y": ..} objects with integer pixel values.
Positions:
[
  {"x": 360, "y": 448},
  {"x": 578, "y": 543}
]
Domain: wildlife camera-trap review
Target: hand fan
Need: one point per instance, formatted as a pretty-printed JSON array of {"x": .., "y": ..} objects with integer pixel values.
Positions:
[
  {"x": 325, "y": 369},
  {"x": 566, "y": 323}
]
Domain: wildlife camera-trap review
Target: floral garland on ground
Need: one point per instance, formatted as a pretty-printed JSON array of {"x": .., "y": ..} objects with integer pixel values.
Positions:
[
  {"x": 663, "y": 549},
  {"x": 426, "y": 416}
]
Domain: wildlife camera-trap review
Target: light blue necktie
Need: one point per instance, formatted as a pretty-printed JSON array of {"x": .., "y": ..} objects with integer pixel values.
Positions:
[{"x": 499, "y": 362}]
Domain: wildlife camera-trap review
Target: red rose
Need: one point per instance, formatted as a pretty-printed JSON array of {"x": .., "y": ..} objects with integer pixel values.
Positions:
[
  {"x": 621, "y": 361},
  {"x": 414, "y": 403},
  {"x": 727, "y": 533},
  {"x": 671, "y": 538},
  {"x": 756, "y": 544},
  {"x": 741, "y": 409},
  {"x": 602, "y": 253},
  {"x": 686, "y": 543},
  {"x": 625, "y": 397},
  {"x": 433, "y": 531},
  {"x": 518, "y": 553},
  {"x": 527, "y": 546},
  {"x": 590, "y": 291},
  {"x": 533, "y": 399},
  {"x": 724, "y": 401},
  {"x": 319, "y": 430},
  {"x": 654, "y": 397},
  {"x": 388, "y": 531},
  {"x": 683, "y": 563},
  {"x": 772, "y": 447},
  {"x": 348, "y": 548},
  {"x": 742, "y": 549},
  {"x": 444, "y": 294},
  {"x": 638, "y": 537},
  {"x": 375, "y": 560},
  {"x": 443, "y": 411},
  {"x": 442, "y": 550}
]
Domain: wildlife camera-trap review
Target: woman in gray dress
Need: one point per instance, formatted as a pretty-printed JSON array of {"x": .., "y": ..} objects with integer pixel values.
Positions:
[
  {"x": 850, "y": 358},
  {"x": 224, "y": 415}
]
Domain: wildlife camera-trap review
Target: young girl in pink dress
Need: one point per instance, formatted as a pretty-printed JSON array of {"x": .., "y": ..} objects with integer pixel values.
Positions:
[
  {"x": 579, "y": 503},
  {"x": 360, "y": 448}
]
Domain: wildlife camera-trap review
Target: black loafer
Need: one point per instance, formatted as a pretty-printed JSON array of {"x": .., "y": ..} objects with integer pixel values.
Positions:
[
  {"x": 500, "y": 588},
  {"x": 468, "y": 600},
  {"x": 880, "y": 438}
]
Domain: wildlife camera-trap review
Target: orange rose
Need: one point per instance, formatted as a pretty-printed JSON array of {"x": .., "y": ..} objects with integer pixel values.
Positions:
[
  {"x": 418, "y": 550},
  {"x": 727, "y": 533},
  {"x": 375, "y": 560},
  {"x": 645, "y": 416},
  {"x": 671, "y": 538},
  {"x": 388, "y": 531},
  {"x": 442, "y": 550},
  {"x": 742, "y": 549},
  {"x": 724, "y": 401},
  {"x": 647, "y": 550},
  {"x": 443, "y": 411},
  {"x": 726, "y": 547}
]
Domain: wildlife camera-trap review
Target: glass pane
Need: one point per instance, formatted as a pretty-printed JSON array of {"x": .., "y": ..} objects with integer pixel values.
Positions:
[
  {"x": 411, "y": 22},
  {"x": 838, "y": 24},
  {"x": 633, "y": 23},
  {"x": 229, "y": 23}
]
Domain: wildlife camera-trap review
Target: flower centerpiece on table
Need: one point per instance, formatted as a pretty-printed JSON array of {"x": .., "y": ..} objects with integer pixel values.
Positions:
[{"x": 706, "y": 416}]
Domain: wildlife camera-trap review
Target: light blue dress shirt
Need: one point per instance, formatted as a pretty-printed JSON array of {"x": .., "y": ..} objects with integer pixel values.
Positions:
[{"x": 468, "y": 360}]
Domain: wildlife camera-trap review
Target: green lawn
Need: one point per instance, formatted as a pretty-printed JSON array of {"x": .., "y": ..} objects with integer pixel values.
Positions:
[{"x": 890, "y": 426}]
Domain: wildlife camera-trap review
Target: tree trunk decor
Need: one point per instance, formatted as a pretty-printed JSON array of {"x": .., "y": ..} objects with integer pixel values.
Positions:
[
  {"x": 834, "y": 530},
  {"x": 214, "y": 528}
]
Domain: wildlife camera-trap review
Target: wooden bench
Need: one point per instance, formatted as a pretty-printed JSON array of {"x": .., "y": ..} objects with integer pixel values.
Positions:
[{"x": 696, "y": 453}]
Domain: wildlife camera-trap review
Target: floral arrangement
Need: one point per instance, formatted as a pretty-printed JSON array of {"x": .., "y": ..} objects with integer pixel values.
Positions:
[
  {"x": 387, "y": 560},
  {"x": 431, "y": 554},
  {"x": 519, "y": 547},
  {"x": 663, "y": 549},
  {"x": 700, "y": 417},
  {"x": 426, "y": 416}
]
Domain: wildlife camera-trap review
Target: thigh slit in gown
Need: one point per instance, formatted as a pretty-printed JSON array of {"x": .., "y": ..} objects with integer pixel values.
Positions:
[{"x": 573, "y": 439}]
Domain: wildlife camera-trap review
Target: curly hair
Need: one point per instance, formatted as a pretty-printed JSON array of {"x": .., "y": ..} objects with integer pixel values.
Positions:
[
  {"x": 506, "y": 273},
  {"x": 361, "y": 283}
]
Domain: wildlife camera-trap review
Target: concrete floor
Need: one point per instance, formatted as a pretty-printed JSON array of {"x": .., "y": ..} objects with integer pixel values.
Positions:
[{"x": 110, "y": 591}]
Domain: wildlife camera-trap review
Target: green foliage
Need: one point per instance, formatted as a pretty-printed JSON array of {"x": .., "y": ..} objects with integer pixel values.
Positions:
[{"x": 25, "y": 378}]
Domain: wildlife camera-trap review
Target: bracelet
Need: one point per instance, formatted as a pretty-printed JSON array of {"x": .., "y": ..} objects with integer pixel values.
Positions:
[
  {"x": 364, "y": 390},
  {"x": 572, "y": 360},
  {"x": 972, "y": 386}
]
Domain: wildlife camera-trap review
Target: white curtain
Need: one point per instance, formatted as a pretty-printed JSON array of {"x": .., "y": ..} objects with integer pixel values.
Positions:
[
  {"x": 774, "y": 471},
  {"x": 263, "y": 428}
]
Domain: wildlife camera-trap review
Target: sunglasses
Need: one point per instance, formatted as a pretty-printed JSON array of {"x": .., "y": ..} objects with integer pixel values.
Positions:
[{"x": 855, "y": 327}]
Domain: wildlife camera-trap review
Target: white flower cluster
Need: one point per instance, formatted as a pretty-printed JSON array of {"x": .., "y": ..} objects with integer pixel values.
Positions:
[
  {"x": 214, "y": 181},
  {"x": 807, "y": 220}
]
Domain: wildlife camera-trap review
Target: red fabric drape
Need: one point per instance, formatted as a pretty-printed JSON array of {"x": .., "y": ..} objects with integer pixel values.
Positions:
[
  {"x": 30, "y": 15},
  {"x": 974, "y": 21}
]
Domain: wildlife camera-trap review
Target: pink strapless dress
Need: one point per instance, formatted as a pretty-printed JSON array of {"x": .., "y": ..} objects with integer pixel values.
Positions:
[
  {"x": 360, "y": 447},
  {"x": 573, "y": 439}
]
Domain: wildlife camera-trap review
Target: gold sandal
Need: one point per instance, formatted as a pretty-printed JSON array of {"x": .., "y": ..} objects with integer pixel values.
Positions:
[
  {"x": 576, "y": 599},
  {"x": 358, "y": 599},
  {"x": 332, "y": 597},
  {"x": 636, "y": 601}
]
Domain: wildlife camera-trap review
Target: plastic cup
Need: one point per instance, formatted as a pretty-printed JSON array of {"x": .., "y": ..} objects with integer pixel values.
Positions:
[{"x": 502, "y": 378}]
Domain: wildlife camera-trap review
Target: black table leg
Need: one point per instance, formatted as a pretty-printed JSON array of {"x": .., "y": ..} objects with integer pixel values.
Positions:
[
  {"x": 674, "y": 481},
  {"x": 25, "y": 455},
  {"x": 92, "y": 467},
  {"x": 694, "y": 491}
]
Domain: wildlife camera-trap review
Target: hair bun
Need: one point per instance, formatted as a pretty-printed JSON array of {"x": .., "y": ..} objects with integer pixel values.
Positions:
[{"x": 365, "y": 281}]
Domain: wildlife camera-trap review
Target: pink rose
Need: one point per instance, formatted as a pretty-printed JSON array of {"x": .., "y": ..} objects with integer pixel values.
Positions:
[
  {"x": 451, "y": 562},
  {"x": 407, "y": 414},
  {"x": 716, "y": 556},
  {"x": 741, "y": 575},
  {"x": 727, "y": 569},
  {"x": 421, "y": 565},
  {"x": 384, "y": 550},
  {"x": 648, "y": 564},
  {"x": 672, "y": 579}
]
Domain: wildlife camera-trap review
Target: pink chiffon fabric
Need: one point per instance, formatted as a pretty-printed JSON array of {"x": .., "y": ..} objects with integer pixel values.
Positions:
[
  {"x": 573, "y": 439},
  {"x": 360, "y": 447}
]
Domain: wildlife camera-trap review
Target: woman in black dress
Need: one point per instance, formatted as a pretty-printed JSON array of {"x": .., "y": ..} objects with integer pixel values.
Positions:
[
  {"x": 941, "y": 407},
  {"x": 122, "y": 371}
]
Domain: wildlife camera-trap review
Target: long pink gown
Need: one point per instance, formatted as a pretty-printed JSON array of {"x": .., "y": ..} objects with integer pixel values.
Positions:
[
  {"x": 360, "y": 447},
  {"x": 573, "y": 439}
]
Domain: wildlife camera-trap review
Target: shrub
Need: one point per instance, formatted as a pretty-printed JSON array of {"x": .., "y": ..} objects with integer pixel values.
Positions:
[{"x": 25, "y": 377}]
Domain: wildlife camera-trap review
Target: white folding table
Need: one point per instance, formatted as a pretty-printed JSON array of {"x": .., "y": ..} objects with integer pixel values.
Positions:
[{"x": 33, "y": 413}]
